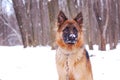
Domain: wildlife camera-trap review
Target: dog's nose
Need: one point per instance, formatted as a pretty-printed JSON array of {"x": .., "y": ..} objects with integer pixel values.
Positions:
[
  {"x": 72, "y": 35},
  {"x": 72, "y": 38}
]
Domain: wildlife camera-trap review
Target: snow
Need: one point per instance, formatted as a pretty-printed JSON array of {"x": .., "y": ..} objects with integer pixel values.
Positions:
[
  {"x": 18, "y": 63},
  {"x": 7, "y": 7},
  {"x": 100, "y": 18},
  {"x": 106, "y": 64}
]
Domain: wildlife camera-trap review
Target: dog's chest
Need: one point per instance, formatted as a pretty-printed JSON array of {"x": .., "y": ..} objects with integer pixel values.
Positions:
[
  {"x": 69, "y": 65},
  {"x": 70, "y": 60}
]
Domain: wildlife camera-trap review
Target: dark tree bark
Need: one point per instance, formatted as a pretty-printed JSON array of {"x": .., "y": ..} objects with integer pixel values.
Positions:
[
  {"x": 23, "y": 22},
  {"x": 53, "y": 8},
  {"x": 78, "y": 5},
  {"x": 118, "y": 18},
  {"x": 63, "y": 5},
  {"x": 116, "y": 30},
  {"x": 44, "y": 15},
  {"x": 87, "y": 14},
  {"x": 102, "y": 16},
  {"x": 114, "y": 24},
  {"x": 35, "y": 22},
  {"x": 72, "y": 8}
]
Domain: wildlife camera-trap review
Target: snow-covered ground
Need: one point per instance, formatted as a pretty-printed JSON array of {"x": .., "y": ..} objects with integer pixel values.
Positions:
[{"x": 17, "y": 63}]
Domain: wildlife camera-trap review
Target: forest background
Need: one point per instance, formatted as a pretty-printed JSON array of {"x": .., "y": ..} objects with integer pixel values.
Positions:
[{"x": 33, "y": 22}]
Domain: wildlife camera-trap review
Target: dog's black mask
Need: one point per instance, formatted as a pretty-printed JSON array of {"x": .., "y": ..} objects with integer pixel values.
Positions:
[{"x": 70, "y": 34}]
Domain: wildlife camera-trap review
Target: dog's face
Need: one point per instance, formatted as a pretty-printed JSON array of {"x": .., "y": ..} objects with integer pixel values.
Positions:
[{"x": 69, "y": 32}]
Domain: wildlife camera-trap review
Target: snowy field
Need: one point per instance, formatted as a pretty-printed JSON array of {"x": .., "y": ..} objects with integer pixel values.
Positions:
[{"x": 17, "y": 63}]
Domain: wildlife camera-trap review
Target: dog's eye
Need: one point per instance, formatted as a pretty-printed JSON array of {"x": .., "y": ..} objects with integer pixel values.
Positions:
[
  {"x": 75, "y": 30},
  {"x": 66, "y": 30}
]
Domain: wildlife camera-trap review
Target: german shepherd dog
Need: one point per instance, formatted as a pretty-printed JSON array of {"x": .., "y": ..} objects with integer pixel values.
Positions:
[{"x": 72, "y": 59}]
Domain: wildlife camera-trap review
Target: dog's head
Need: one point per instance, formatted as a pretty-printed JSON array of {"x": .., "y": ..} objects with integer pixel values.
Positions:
[
  {"x": 69, "y": 31},
  {"x": 70, "y": 34}
]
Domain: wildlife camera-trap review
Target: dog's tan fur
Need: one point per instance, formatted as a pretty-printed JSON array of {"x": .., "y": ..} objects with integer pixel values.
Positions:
[{"x": 71, "y": 60}]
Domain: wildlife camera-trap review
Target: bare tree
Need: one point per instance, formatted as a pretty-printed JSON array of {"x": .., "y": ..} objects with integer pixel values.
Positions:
[
  {"x": 8, "y": 28},
  {"x": 37, "y": 21},
  {"x": 53, "y": 8},
  {"x": 23, "y": 22},
  {"x": 63, "y": 5},
  {"x": 118, "y": 2},
  {"x": 88, "y": 18},
  {"x": 45, "y": 22},
  {"x": 101, "y": 10},
  {"x": 72, "y": 7},
  {"x": 34, "y": 13}
]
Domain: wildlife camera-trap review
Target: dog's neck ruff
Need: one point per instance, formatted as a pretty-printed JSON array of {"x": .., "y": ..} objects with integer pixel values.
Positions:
[{"x": 69, "y": 54}]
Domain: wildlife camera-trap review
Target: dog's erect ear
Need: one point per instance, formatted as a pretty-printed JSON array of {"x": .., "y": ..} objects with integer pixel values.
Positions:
[
  {"x": 61, "y": 18},
  {"x": 79, "y": 18}
]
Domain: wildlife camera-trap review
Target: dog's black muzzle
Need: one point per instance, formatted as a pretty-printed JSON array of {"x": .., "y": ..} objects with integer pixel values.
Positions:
[
  {"x": 70, "y": 35},
  {"x": 70, "y": 38}
]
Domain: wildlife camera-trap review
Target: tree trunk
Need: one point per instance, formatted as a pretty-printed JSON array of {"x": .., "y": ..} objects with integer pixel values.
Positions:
[
  {"x": 23, "y": 22},
  {"x": 113, "y": 30},
  {"x": 44, "y": 14},
  {"x": 35, "y": 22},
  {"x": 116, "y": 30},
  {"x": 87, "y": 14},
  {"x": 53, "y": 8},
  {"x": 72, "y": 9},
  {"x": 103, "y": 43},
  {"x": 102, "y": 17},
  {"x": 63, "y": 5}
]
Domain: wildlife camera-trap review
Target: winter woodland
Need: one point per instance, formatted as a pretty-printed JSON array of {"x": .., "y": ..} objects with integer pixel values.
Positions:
[{"x": 33, "y": 22}]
